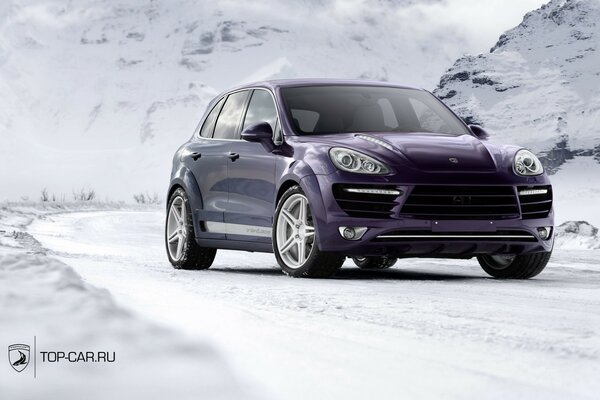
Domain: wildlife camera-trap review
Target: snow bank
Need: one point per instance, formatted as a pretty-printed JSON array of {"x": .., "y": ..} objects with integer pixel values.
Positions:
[
  {"x": 17, "y": 215},
  {"x": 577, "y": 235},
  {"x": 44, "y": 297}
]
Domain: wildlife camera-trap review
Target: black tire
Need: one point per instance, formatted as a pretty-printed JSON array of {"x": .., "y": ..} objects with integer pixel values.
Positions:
[
  {"x": 374, "y": 262},
  {"x": 522, "y": 266},
  {"x": 193, "y": 256},
  {"x": 319, "y": 264}
]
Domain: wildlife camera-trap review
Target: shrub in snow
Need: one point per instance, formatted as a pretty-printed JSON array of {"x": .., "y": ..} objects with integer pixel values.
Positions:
[
  {"x": 84, "y": 195},
  {"x": 146, "y": 198},
  {"x": 44, "y": 195}
]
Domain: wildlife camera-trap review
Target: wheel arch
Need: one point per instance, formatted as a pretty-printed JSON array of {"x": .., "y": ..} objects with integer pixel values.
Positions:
[
  {"x": 184, "y": 179},
  {"x": 310, "y": 186},
  {"x": 291, "y": 173},
  {"x": 284, "y": 187},
  {"x": 172, "y": 190}
]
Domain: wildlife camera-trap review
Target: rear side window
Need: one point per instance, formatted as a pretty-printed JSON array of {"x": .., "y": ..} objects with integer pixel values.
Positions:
[
  {"x": 261, "y": 109},
  {"x": 229, "y": 118},
  {"x": 209, "y": 123}
]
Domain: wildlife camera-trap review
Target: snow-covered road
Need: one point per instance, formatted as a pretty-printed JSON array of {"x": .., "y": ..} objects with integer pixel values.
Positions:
[{"x": 424, "y": 329}]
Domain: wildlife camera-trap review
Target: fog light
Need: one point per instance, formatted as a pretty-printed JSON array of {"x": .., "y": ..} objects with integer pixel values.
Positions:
[
  {"x": 348, "y": 233},
  {"x": 544, "y": 232},
  {"x": 352, "y": 233}
]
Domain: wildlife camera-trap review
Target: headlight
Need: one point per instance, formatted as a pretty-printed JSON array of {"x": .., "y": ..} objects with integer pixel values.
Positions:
[
  {"x": 527, "y": 164},
  {"x": 353, "y": 161}
]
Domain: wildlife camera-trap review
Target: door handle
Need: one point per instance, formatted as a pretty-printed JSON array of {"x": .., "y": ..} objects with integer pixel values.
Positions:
[
  {"x": 195, "y": 156},
  {"x": 233, "y": 156}
]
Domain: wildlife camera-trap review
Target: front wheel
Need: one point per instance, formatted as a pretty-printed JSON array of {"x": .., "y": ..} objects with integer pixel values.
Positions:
[
  {"x": 294, "y": 239},
  {"x": 182, "y": 249},
  {"x": 513, "y": 266}
]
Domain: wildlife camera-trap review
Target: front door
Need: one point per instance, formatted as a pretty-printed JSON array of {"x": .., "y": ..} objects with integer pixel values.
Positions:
[{"x": 251, "y": 177}]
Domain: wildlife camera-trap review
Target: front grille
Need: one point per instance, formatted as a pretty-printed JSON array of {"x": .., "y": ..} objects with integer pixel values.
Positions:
[
  {"x": 429, "y": 236},
  {"x": 365, "y": 205},
  {"x": 535, "y": 205},
  {"x": 461, "y": 202}
]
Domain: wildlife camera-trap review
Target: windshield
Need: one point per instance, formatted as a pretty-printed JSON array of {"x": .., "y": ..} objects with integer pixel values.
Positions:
[{"x": 347, "y": 109}]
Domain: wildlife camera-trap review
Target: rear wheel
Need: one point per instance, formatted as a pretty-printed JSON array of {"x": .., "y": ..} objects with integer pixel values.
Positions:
[
  {"x": 514, "y": 266},
  {"x": 294, "y": 239},
  {"x": 374, "y": 262},
  {"x": 182, "y": 250}
]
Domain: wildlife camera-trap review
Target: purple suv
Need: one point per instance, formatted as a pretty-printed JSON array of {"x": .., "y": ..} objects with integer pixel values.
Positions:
[{"x": 320, "y": 170}]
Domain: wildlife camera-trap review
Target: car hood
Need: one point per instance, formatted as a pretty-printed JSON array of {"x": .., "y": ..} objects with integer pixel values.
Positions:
[
  {"x": 422, "y": 151},
  {"x": 438, "y": 152}
]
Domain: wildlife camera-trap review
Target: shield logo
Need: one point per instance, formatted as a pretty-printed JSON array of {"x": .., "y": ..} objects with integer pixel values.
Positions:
[{"x": 18, "y": 356}]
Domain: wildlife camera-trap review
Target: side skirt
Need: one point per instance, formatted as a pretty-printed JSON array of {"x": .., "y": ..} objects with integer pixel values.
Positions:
[{"x": 260, "y": 247}]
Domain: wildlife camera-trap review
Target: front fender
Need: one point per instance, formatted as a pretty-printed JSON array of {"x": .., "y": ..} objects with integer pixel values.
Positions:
[
  {"x": 295, "y": 171},
  {"x": 302, "y": 174}
]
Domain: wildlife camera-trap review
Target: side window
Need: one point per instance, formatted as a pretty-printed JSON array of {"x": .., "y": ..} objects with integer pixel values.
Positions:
[
  {"x": 209, "y": 123},
  {"x": 261, "y": 109},
  {"x": 229, "y": 118}
]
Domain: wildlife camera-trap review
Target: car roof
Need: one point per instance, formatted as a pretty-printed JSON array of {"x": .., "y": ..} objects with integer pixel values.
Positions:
[{"x": 280, "y": 83}]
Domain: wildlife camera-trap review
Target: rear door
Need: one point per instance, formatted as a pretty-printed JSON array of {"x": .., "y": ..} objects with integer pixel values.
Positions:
[
  {"x": 207, "y": 159},
  {"x": 251, "y": 176}
]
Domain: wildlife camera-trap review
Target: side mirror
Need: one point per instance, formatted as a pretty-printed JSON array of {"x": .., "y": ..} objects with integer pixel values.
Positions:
[
  {"x": 260, "y": 132},
  {"x": 479, "y": 132}
]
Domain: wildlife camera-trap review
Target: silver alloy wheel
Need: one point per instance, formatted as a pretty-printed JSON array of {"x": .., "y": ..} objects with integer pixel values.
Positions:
[
  {"x": 502, "y": 261},
  {"x": 295, "y": 232},
  {"x": 176, "y": 228}
]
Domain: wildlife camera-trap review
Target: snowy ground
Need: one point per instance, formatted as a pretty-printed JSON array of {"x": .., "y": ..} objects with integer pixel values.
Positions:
[
  {"x": 425, "y": 329},
  {"x": 43, "y": 297}
]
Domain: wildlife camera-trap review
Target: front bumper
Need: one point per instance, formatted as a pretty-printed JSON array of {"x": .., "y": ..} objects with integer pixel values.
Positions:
[
  {"x": 399, "y": 236},
  {"x": 424, "y": 238}
]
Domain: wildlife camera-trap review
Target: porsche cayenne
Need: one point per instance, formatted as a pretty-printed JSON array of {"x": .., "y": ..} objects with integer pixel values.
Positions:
[{"x": 316, "y": 171}]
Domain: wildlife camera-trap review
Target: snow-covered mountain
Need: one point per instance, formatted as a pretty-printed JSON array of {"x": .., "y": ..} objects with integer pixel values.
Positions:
[
  {"x": 99, "y": 93},
  {"x": 539, "y": 85}
]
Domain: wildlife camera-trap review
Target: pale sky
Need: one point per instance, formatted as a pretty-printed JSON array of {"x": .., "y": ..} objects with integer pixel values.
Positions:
[{"x": 484, "y": 20}]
